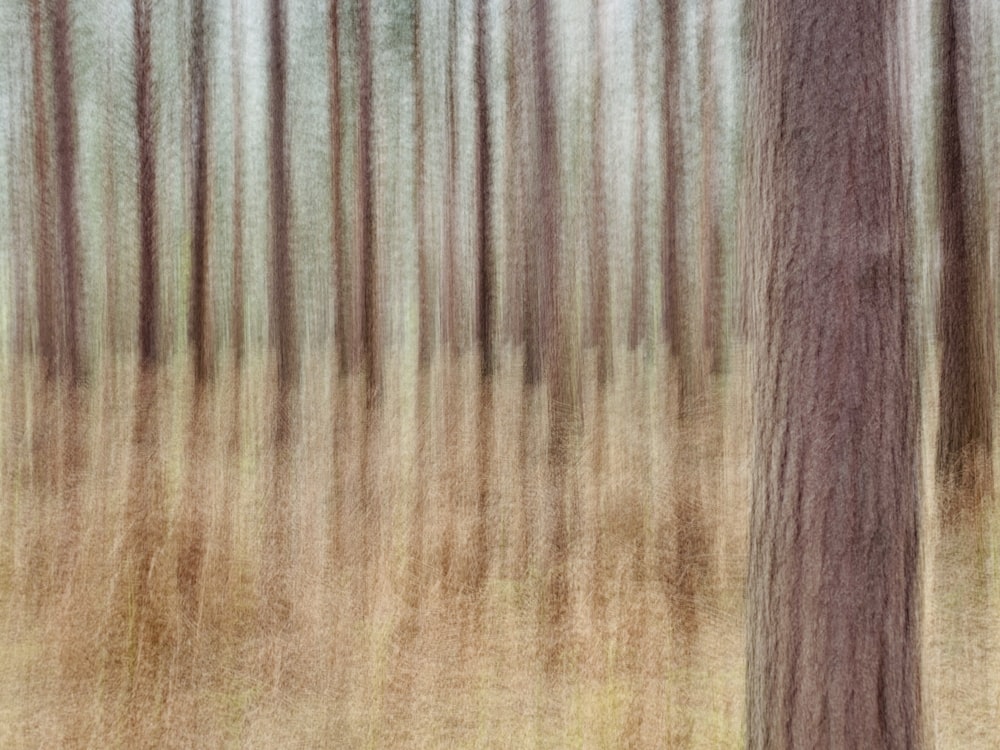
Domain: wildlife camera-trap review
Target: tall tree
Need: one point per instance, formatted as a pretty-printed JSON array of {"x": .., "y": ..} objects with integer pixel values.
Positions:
[
  {"x": 637, "y": 316},
  {"x": 425, "y": 345},
  {"x": 70, "y": 330},
  {"x": 676, "y": 326},
  {"x": 341, "y": 276},
  {"x": 709, "y": 223},
  {"x": 484, "y": 243},
  {"x": 145, "y": 128},
  {"x": 237, "y": 315},
  {"x": 284, "y": 338},
  {"x": 966, "y": 322},
  {"x": 833, "y": 587},
  {"x": 367, "y": 253},
  {"x": 600, "y": 299},
  {"x": 199, "y": 334},
  {"x": 449, "y": 285},
  {"x": 46, "y": 265}
]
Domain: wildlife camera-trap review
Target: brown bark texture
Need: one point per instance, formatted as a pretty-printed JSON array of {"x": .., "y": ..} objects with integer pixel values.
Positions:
[
  {"x": 341, "y": 273},
  {"x": 600, "y": 272},
  {"x": 46, "y": 265},
  {"x": 284, "y": 338},
  {"x": 367, "y": 245},
  {"x": 425, "y": 346},
  {"x": 198, "y": 322},
  {"x": 145, "y": 128},
  {"x": 237, "y": 312},
  {"x": 833, "y": 581},
  {"x": 70, "y": 331},
  {"x": 965, "y": 325},
  {"x": 485, "y": 261},
  {"x": 637, "y": 314}
]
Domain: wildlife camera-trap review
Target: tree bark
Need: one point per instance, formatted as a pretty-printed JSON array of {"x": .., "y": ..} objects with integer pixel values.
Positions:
[
  {"x": 145, "y": 127},
  {"x": 600, "y": 272},
  {"x": 71, "y": 331},
  {"x": 284, "y": 337},
  {"x": 367, "y": 249},
  {"x": 237, "y": 313},
  {"x": 833, "y": 588},
  {"x": 425, "y": 314},
  {"x": 342, "y": 324},
  {"x": 199, "y": 325},
  {"x": 966, "y": 329}
]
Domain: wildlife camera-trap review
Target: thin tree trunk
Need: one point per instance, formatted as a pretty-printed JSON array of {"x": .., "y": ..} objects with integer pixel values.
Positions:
[
  {"x": 966, "y": 323},
  {"x": 71, "y": 331},
  {"x": 637, "y": 317},
  {"x": 833, "y": 588},
  {"x": 46, "y": 299},
  {"x": 237, "y": 314},
  {"x": 600, "y": 271},
  {"x": 342, "y": 322},
  {"x": 425, "y": 316},
  {"x": 145, "y": 127},
  {"x": 198, "y": 325}
]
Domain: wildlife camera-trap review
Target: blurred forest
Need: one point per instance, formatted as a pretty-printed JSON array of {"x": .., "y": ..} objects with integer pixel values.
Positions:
[{"x": 375, "y": 373}]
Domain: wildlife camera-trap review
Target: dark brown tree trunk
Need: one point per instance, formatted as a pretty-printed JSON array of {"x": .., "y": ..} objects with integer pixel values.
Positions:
[
  {"x": 425, "y": 346},
  {"x": 676, "y": 325},
  {"x": 449, "y": 286},
  {"x": 237, "y": 313},
  {"x": 342, "y": 323},
  {"x": 284, "y": 337},
  {"x": 70, "y": 331},
  {"x": 367, "y": 249},
  {"x": 484, "y": 241},
  {"x": 637, "y": 316},
  {"x": 833, "y": 589},
  {"x": 966, "y": 322},
  {"x": 46, "y": 299},
  {"x": 600, "y": 271},
  {"x": 145, "y": 128},
  {"x": 198, "y": 324},
  {"x": 672, "y": 306},
  {"x": 710, "y": 232}
]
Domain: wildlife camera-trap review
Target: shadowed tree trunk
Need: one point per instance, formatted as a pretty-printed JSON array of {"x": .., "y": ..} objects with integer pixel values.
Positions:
[
  {"x": 199, "y": 334},
  {"x": 46, "y": 298},
  {"x": 284, "y": 336},
  {"x": 833, "y": 588},
  {"x": 449, "y": 287},
  {"x": 342, "y": 324},
  {"x": 425, "y": 318},
  {"x": 367, "y": 252},
  {"x": 966, "y": 322},
  {"x": 675, "y": 305},
  {"x": 600, "y": 272},
  {"x": 145, "y": 128},
  {"x": 237, "y": 312},
  {"x": 486, "y": 300},
  {"x": 710, "y": 229},
  {"x": 637, "y": 317},
  {"x": 70, "y": 331}
]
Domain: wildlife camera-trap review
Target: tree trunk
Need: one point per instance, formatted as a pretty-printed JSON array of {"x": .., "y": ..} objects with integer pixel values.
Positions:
[
  {"x": 145, "y": 127},
  {"x": 966, "y": 330},
  {"x": 237, "y": 319},
  {"x": 46, "y": 299},
  {"x": 600, "y": 272},
  {"x": 425, "y": 314},
  {"x": 198, "y": 326},
  {"x": 367, "y": 250},
  {"x": 284, "y": 336},
  {"x": 342, "y": 324},
  {"x": 637, "y": 316},
  {"x": 70, "y": 332},
  {"x": 833, "y": 588}
]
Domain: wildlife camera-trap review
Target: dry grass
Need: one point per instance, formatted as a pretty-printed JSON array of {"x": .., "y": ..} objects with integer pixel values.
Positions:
[{"x": 171, "y": 582}]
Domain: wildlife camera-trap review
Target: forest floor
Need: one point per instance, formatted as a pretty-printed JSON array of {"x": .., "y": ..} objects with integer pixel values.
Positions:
[{"x": 171, "y": 578}]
